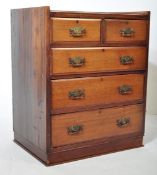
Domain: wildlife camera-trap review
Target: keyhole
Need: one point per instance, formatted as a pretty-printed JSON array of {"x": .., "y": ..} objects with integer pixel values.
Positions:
[
  {"x": 99, "y": 111},
  {"x": 126, "y": 22},
  {"x": 101, "y": 79}
]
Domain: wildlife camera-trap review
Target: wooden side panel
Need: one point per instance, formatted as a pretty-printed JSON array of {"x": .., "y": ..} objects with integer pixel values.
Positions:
[
  {"x": 96, "y": 124},
  {"x": 30, "y": 44},
  {"x": 97, "y": 59},
  {"x": 97, "y": 91},
  {"x": 60, "y": 29}
]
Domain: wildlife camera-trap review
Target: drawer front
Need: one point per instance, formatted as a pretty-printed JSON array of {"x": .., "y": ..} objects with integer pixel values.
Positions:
[
  {"x": 125, "y": 30},
  {"x": 82, "y": 60},
  {"x": 93, "y": 91},
  {"x": 70, "y": 29},
  {"x": 89, "y": 125}
]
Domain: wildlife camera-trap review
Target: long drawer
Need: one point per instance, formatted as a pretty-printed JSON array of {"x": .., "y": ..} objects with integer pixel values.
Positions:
[
  {"x": 83, "y": 126},
  {"x": 97, "y": 59},
  {"x": 92, "y": 91}
]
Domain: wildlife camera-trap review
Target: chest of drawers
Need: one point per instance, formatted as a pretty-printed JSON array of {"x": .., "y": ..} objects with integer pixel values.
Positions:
[{"x": 79, "y": 82}]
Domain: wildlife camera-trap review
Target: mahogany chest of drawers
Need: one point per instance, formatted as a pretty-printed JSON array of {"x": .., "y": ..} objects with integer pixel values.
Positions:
[{"x": 79, "y": 82}]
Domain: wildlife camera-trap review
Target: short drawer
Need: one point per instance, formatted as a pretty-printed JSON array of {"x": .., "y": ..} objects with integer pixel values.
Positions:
[
  {"x": 75, "y": 29},
  {"x": 125, "y": 30},
  {"x": 89, "y": 125},
  {"x": 71, "y": 94},
  {"x": 97, "y": 59}
]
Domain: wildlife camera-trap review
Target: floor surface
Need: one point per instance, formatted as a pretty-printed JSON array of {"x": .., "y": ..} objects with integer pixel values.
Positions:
[{"x": 140, "y": 161}]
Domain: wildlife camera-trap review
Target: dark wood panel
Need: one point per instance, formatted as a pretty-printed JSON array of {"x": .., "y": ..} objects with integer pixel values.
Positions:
[
  {"x": 94, "y": 142},
  {"x": 95, "y": 74},
  {"x": 82, "y": 44},
  {"x": 84, "y": 150},
  {"x": 114, "y": 15},
  {"x": 31, "y": 148},
  {"x": 94, "y": 107},
  {"x": 146, "y": 73},
  {"x": 30, "y": 46},
  {"x": 94, "y": 150}
]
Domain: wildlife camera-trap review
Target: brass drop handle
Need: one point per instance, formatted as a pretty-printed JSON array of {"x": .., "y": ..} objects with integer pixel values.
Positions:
[
  {"x": 123, "y": 122},
  {"x": 125, "y": 60},
  {"x": 77, "y": 61},
  {"x": 127, "y": 32},
  {"x": 74, "y": 129},
  {"x": 77, "y": 31},
  {"x": 77, "y": 94},
  {"x": 125, "y": 89}
]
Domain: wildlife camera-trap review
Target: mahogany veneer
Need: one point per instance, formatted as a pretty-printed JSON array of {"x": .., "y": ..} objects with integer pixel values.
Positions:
[{"x": 79, "y": 82}]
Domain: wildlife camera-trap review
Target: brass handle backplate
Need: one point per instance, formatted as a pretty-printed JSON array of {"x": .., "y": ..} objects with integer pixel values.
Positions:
[
  {"x": 77, "y": 61},
  {"x": 125, "y": 89},
  {"x": 125, "y": 60},
  {"x": 123, "y": 122},
  {"x": 127, "y": 32},
  {"x": 77, "y": 31},
  {"x": 77, "y": 94},
  {"x": 74, "y": 129}
]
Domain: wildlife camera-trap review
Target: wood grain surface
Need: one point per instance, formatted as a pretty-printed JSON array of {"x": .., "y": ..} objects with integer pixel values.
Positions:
[
  {"x": 96, "y": 124},
  {"x": 60, "y": 29},
  {"x": 113, "y": 28},
  {"x": 97, "y": 59},
  {"x": 42, "y": 77},
  {"x": 30, "y": 43},
  {"x": 107, "y": 15},
  {"x": 98, "y": 90}
]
